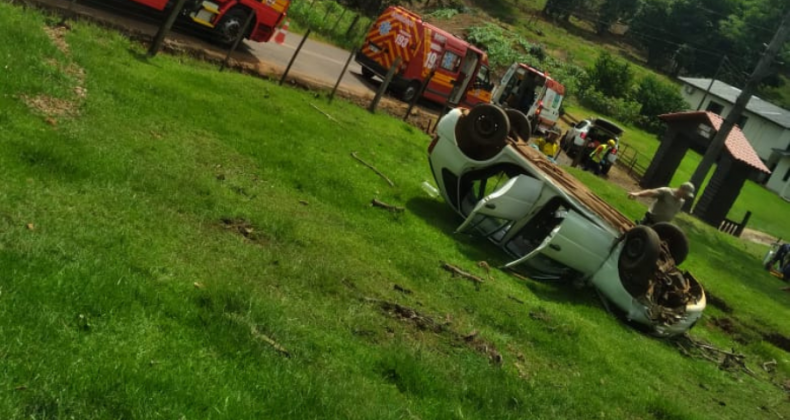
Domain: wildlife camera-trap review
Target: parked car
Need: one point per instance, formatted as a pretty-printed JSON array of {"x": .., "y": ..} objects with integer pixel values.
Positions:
[
  {"x": 555, "y": 228},
  {"x": 587, "y": 135}
]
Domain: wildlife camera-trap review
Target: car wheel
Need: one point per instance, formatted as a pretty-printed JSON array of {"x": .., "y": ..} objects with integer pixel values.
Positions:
[
  {"x": 230, "y": 26},
  {"x": 638, "y": 259},
  {"x": 676, "y": 240},
  {"x": 367, "y": 73},
  {"x": 482, "y": 133},
  {"x": 411, "y": 91},
  {"x": 520, "y": 128}
]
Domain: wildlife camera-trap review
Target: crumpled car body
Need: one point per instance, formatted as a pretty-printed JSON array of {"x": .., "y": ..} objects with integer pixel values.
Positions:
[{"x": 554, "y": 228}]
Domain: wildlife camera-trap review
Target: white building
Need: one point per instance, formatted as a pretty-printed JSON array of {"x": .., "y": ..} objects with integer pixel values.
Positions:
[{"x": 765, "y": 125}]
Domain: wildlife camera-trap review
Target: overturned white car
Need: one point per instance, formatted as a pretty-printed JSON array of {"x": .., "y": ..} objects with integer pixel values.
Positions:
[{"x": 556, "y": 228}]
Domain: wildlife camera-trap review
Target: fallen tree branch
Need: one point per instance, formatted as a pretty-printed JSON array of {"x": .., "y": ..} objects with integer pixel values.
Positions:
[
  {"x": 354, "y": 155},
  {"x": 459, "y": 272},
  {"x": 390, "y": 207},
  {"x": 327, "y": 115}
]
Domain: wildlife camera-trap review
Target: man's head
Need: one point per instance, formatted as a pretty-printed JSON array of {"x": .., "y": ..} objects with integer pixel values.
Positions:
[{"x": 686, "y": 190}]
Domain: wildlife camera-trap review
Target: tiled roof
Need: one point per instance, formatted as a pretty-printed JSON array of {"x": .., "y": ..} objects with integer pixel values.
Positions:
[
  {"x": 736, "y": 142},
  {"x": 756, "y": 105}
]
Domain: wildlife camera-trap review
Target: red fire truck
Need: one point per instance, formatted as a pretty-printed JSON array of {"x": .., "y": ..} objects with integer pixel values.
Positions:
[
  {"x": 461, "y": 70},
  {"x": 226, "y": 17}
]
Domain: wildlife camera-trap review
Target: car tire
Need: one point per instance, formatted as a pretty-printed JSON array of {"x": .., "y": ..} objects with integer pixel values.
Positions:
[
  {"x": 410, "y": 91},
  {"x": 676, "y": 240},
  {"x": 520, "y": 128},
  {"x": 482, "y": 133},
  {"x": 231, "y": 24},
  {"x": 638, "y": 259}
]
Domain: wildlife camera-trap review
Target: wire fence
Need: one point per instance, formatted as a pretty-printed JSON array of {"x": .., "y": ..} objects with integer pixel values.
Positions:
[{"x": 341, "y": 25}]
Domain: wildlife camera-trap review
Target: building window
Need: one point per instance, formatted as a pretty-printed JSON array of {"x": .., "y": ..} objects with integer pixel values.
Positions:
[
  {"x": 742, "y": 121},
  {"x": 715, "y": 107},
  {"x": 787, "y": 175}
]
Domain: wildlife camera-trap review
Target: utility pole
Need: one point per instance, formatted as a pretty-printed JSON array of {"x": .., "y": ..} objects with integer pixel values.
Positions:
[
  {"x": 710, "y": 86},
  {"x": 761, "y": 71}
]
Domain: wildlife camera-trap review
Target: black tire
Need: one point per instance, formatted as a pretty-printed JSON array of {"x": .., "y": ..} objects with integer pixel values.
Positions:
[
  {"x": 482, "y": 133},
  {"x": 638, "y": 260},
  {"x": 367, "y": 73},
  {"x": 411, "y": 91},
  {"x": 231, "y": 25},
  {"x": 520, "y": 128},
  {"x": 641, "y": 249},
  {"x": 676, "y": 240}
]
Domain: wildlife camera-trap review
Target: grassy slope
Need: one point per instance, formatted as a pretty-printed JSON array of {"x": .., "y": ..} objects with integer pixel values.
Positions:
[{"x": 100, "y": 315}]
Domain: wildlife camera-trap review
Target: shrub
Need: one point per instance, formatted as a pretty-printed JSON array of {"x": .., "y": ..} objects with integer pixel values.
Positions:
[
  {"x": 611, "y": 77},
  {"x": 658, "y": 97},
  {"x": 619, "y": 108}
]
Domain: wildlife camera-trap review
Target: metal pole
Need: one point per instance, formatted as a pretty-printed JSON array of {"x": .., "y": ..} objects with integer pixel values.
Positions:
[
  {"x": 384, "y": 85},
  {"x": 165, "y": 28},
  {"x": 338, "y": 21},
  {"x": 293, "y": 58},
  {"x": 342, "y": 73},
  {"x": 760, "y": 72},
  {"x": 237, "y": 41},
  {"x": 419, "y": 94},
  {"x": 715, "y": 75}
]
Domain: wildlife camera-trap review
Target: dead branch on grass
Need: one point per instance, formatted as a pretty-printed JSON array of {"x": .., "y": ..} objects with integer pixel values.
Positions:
[
  {"x": 461, "y": 273},
  {"x": 354, "y": 155},
  {"x": 390, "y": 207},
  {"x": 325, "y": 114}
]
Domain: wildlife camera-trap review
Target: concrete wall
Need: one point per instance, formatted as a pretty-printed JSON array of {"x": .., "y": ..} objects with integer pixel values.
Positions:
[
  {"x": 775, "y": 183},
  {"x": 764, "y": 135}
]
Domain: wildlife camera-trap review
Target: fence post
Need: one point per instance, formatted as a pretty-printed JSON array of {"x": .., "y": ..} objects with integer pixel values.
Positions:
[
  {"x": 165, "y": 28},
  {"x": 293, "y": 58},
  {"x": 353, "y": 24},
  {"x": 417, "y": 97},
  {"x": 745, "y": 220},
  {"x": 384, "y": 85},
  {"x": 338, "y": 21},
  {"x": 237, "y": 41},
  {"x": 342, "y": 73}
]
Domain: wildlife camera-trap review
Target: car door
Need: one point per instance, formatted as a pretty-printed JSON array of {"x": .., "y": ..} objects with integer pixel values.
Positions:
[{"x": 575, "y": 242}]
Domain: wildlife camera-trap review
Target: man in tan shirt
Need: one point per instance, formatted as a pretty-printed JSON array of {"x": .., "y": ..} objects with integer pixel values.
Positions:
[{"x": 667, "y": 203}]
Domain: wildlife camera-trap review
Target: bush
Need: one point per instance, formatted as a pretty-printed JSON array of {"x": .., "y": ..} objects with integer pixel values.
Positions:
[
  {"x": 611, "y": 77},
  {"x": 658, "y": 97},
  {"x": 619, "y": 108}
]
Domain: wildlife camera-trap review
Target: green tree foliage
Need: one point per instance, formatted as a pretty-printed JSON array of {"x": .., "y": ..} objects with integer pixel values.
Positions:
[
  {"x": 656, "y": 98},
  {"x": 611, "y": 77},
  {"x": 610, "y": 11}
]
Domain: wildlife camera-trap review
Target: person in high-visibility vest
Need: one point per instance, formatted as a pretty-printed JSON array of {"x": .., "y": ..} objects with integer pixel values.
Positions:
[
  {"x": 597, "y": 156},
  {"x": 549, "y": 145}
]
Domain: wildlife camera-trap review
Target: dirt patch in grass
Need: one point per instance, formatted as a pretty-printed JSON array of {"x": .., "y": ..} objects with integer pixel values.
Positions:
[
  {"x": 58, "y": 36},
  {"x": 244, "y": 228},
  {"x": 718, "y": 303},
  {"x": 52, "y": 107},
  {"x": 778, "y": 340},
  {"x": 428, "y": 323}
]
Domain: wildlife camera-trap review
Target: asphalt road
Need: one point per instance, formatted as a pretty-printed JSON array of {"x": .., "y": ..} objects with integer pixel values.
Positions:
[{"x": 318, "y": 61}]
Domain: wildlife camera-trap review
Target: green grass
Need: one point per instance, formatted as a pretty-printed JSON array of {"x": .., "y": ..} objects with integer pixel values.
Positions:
[
  {"x": 768, "y": 209},
  {"x": 153, "y": 244}
]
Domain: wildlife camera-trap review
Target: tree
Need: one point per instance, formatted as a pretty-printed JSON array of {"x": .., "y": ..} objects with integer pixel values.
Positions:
[
  {"x": 647, "y": 27},
  {"x": 611, "y": 77},
  {"x": 658, "y": 97},
  {"x": 610, "y": 11}
]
